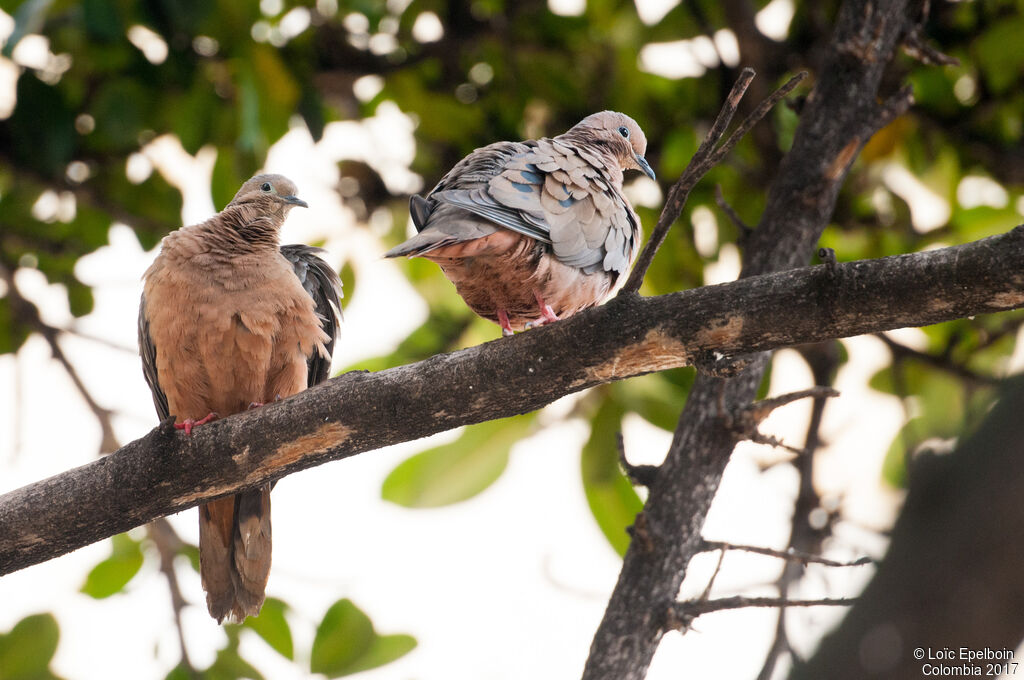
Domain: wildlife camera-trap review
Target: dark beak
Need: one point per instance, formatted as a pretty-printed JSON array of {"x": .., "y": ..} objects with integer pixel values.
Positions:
[
  {"x": 645, "y": 166},
  {"x": 295, "y": 200}
]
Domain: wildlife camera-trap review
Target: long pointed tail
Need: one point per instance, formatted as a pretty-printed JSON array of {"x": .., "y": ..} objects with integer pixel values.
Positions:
[{"x": 234, "y": 553}]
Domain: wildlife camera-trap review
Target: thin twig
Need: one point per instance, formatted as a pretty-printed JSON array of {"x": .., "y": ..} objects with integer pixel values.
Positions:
[
  {"x": 731, "y": 213},
  {"x": 642, "y": 475},
  {"x": 759, "y": 410},
  {"x": 901, "y": 351},
  {"x": 686, "y": 612},
  {"x": 112, "y": 344},
  {"x": 823, "y": 360},
  {"x": 168, "y": 543},
  {"x": 707, "y": 157},
  {"x": 714, "y": 575},
  {"x": 791, "y": 554},
  {"x": 745, "y": 422},
  {"x": 29, "y": 315}
]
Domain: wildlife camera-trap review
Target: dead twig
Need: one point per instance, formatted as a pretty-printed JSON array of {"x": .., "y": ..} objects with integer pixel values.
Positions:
[
  {"x": 685, "y": 612},
  {"x": 791, "y": 554},
  {"x": 707, "y": 157}
]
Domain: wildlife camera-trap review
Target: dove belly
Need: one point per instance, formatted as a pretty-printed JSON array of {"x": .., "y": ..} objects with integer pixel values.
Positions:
[
  {"x": 222, "y": 349},
  {"x": 511, "y": 277}
]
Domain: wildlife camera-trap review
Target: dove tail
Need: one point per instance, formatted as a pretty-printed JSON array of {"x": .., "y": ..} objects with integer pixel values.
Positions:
[
  {"x": 421, "y": 243},
  {"x": 234, "y": 553}
]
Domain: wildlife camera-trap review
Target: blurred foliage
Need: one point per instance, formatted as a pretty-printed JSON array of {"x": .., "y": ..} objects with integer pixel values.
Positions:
[
  {"x": 112, "y": 574},
  {"x": 27, "y": 649},
  {"x": 237, "y": 76},
  {"x": 346, "y": 643}
]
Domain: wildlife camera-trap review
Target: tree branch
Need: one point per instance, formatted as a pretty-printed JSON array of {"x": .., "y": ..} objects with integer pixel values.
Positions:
[
  {"x": 165, "y": 472},
  {"x": 28, "y": 314},
  {"x": 840, "y": 115},
  {"x": 707, "y": 157},
  {"x": 684, "y": 613},
  {"x": 791, "y": 555}
]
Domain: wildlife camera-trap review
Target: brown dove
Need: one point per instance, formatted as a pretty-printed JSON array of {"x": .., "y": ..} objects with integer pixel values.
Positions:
[
  {"x": 530, "y": 232},
  {"x": 228, "y": 321}
]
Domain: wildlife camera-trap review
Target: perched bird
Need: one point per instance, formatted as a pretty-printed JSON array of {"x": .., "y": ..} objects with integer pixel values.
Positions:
[
  {"x": 228, "y": 321},
  {"x": 533, "y": 231}
]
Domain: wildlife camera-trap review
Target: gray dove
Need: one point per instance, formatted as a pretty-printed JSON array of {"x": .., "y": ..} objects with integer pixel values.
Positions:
[{"x": 531, "y": 232}]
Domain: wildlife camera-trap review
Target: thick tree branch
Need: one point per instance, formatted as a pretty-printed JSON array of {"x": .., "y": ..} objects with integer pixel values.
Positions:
[
  {"x": 165, "y": 471},
  {"x": 840, "y": 115}
]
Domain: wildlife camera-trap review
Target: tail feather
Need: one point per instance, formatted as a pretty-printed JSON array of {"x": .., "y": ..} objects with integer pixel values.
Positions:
[
  {"x": 421, "y": 243},
  {"x": 234, "y": 553}
]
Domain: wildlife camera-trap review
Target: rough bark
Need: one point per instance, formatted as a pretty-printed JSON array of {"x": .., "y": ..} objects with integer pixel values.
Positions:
[
  {"x": 165, "y": 471},
  {"x": 840, "y": 115},
  {"x": 952, "y": 575}
]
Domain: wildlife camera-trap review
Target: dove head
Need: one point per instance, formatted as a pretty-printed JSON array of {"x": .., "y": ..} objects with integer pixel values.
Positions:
[
  {"x": 621, "y": 135},
  {"x": 274, "y": 194}
]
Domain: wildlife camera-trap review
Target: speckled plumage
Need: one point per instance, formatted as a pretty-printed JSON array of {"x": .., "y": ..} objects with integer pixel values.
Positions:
[
  {"x": 539, "y": 229},
  {"x": 228, "y": 319}
]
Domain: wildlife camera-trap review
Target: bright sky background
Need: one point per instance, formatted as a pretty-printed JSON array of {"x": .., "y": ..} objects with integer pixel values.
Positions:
[{"x": 509, "y": 585}]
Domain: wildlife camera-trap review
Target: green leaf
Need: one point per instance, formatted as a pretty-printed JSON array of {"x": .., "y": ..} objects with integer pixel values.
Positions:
[
  {"x": 344, "y": 635},
  {"x": 1000, "y": 53},
  {"x": 179, "y": 672},
  {"x": 229, "y": 665},
  {"x": 112, "y": 574},
  {"x": 102, "y": 20},
  {"x": 42, "y": 133},
  {"x": 657, "y": 398},
  {"x": 346, "y": 643},
  {"x": 383, "y": 650},
  {"x": 272, "y": 626},
  {"x": 454, "y": 472},
  {"x": 611, "y": 497},
  {"x": 80, "y": 298},
  {"x": 894, "y": 466},
  {"x": 26, "y": 651}
]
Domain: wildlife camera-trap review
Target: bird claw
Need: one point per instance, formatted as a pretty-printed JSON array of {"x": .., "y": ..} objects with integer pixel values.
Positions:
[
  {"x": 547, "y": 314},
  {"x": 506, "y": 327},
  {"x": 189, "y": 423}
]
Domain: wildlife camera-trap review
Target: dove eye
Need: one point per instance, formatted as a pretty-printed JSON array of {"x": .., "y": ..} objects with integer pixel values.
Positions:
[
  {"x": 266, "y": 187},
  {"x": 624, "y": 131}
]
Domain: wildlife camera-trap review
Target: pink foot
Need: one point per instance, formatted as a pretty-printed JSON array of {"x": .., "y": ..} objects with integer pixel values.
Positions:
[
  {"x": 547, "y": 314},
  {"x": 188, "y": 423},
  {"x": 506, "y": 327}
]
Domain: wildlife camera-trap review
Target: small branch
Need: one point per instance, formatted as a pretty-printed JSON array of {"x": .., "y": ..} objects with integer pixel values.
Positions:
[
  {"x": 707, "y": 157},
  {"x": 745, "y": 423},
  {"x": 640, "y": 475},
  {"x": 894, "y": 107},
  {"x": 901, "y": 351},
  {"x": 914, "y": 43},
  {"x": 732, "y": 215},
  {"x": 706, "y": 595},
  {"x": 168, "y": 544},
  {"x": 686, "y": 612},
  {"x": 29, "y": 315},
  {"x": 791, "y": 555},
  {"x": 760, "y": 410}
]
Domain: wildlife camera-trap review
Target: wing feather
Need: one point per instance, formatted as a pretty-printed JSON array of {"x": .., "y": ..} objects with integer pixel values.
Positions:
[{"x": 324, "y": 286}]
